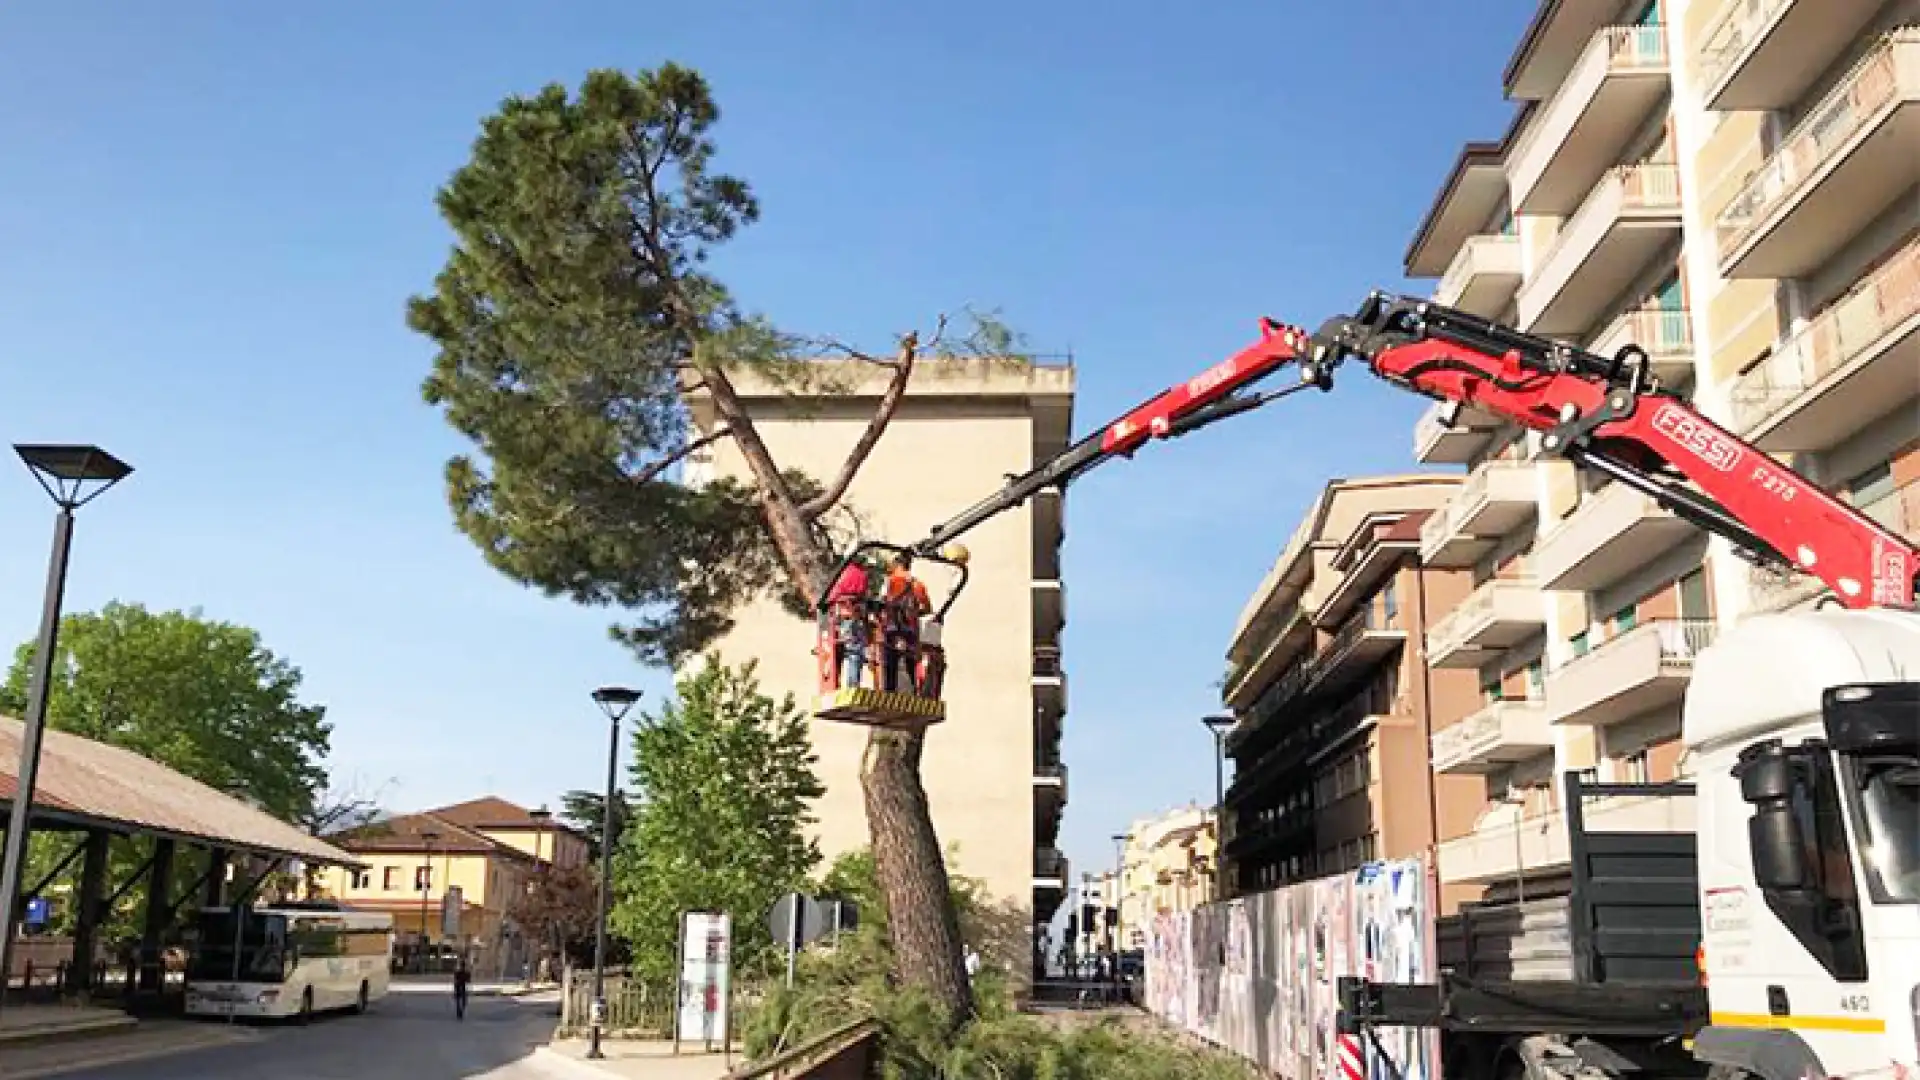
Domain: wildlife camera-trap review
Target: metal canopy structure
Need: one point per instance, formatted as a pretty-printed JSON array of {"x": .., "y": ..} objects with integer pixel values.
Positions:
[{"x": 89, "y": 785}]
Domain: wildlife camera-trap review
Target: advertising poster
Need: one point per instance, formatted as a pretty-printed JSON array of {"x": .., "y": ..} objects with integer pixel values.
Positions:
[{"x": 706, "y": 939}]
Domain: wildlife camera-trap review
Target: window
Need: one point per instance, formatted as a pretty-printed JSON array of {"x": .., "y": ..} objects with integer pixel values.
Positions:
[
  {"x": 1649, "y": 15},
  {"x": 1389, "y": 604},
  {"x": 1871, "y": 486},
  {"x": 390, "y": 878},
  {"x": 1581, "y": 644},
  {"x": 1626, "y": 618},
  {"x": 358, "y": 879},
  {"x": 1492, "y": 691},
  {"x": 1668, "y": 296},
  {"x": 1694, "y": 601},
  {"x": 423, "y": 878},
  {"x": 1633, "y": 768},
  {"x": 1537, "y": 679}
]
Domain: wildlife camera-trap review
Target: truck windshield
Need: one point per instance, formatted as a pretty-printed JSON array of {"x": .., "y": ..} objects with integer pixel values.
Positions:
[
  {"x": 262, "y": 948},
  {"x": 1888, "y": 804}
]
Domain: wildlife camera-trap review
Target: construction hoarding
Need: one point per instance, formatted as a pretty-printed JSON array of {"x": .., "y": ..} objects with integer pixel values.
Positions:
[{"x": 1256, "y": 974}]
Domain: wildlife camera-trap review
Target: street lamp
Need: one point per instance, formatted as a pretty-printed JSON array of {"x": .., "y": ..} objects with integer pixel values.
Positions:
[
  {"x": 72, "y": 476},
  {"x": 1119, "y": 897},
  {"x": 541, "y": 818},
  {"x": 1219, "y": 724},
  {"x": 615, "y": 701},
  {"x": 426, "y": 889}
]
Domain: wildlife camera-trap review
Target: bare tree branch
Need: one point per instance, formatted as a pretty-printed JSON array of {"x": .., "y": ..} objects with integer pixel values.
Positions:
[
  {"x": 653, "y": 471},
  {"x": 902, "y": 367}
]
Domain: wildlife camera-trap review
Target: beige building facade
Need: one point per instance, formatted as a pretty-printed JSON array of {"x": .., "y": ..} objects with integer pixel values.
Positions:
[
  {"x": 1167, "y": 865},
  {"x": 992, "y": 769},
  {"x": 1733, "y": 185}
]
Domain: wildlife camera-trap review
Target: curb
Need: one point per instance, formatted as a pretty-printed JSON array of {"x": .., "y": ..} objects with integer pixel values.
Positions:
[
  {"x": 78, "y": 1030},
  {"x": 554, "y": 1063},
  {"x": 121, "y": 1056}
]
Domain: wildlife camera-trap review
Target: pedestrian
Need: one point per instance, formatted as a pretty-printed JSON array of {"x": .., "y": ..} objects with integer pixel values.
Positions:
[{"x": 462, "y": 980}]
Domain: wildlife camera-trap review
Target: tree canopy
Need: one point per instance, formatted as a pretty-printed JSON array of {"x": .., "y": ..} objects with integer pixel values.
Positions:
[
  {"x": 721, "y": 778},
  {"x": 202, "y": 697}
]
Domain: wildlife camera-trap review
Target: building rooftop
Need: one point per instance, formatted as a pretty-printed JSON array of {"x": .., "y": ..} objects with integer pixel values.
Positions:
[
  {"x": 420, "y": 833},
  {"x": 88, "y": 784}
]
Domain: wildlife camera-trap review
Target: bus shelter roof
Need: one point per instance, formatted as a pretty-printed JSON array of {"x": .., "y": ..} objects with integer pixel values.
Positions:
[{"x": 88, "y": 784}]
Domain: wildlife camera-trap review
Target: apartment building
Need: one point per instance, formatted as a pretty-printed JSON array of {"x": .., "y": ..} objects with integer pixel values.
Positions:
[
  {"x": 992, "y": 770},
  {"x": 1334, "y": 704},
  {"x": 1166, "y": 865},
  {"x": 1732, "y": 186},
  {"x": 449, "y": 876}
]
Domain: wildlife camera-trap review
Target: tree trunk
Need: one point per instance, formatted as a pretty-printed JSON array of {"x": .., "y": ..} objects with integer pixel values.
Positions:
[
  {"x": 921, "y": 921},
  {"x": 922, "y": 924}
]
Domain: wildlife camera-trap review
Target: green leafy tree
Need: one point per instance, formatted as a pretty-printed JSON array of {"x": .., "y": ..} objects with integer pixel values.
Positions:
[
  {"x": 586, "y": 812},
  {"x": 558, "y": 912},
  {"x": 722, "y": 778},
  {"x": 573, "y": 319},
  {"x": 205, "y": 698}
]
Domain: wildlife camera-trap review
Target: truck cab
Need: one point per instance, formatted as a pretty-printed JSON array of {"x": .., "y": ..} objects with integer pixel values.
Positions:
[{"x": 1805, "y": 735}]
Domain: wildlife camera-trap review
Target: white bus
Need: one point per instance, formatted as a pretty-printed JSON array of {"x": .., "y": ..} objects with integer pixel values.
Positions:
[{"x": 294, "y": 959}]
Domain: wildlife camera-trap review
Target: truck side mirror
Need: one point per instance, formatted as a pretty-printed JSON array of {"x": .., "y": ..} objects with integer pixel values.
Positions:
[{"x": 1769, "y": 776}]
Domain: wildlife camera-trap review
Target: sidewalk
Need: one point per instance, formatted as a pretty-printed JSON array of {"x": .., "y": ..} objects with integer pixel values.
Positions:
[
  {"x": 635, "y": 1059},
  {"x": 21, "y": 1024},
  {"x": 431, "y": 984}
]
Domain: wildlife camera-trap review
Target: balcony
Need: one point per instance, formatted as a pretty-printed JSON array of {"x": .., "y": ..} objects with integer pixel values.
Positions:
[
  {"x": 1631, "y": 214},
  {"x": 1666, "y": 336},
  {"x": 1764, "y": 54},
  {"x": 1436, "y": 443},
  {"x": 1245, "y": 682},
  {"x": 1617, "y": 531},
  {"x": 1497, "y": 498},
  {"x": 1614, "y": 87},
  {"x": 1049, "y": 868},
  {"x": 1051, "y": 781},
  {"x": 1049, "y": 680},
  {"x": 1363, "y": 641},
  {"x": 1498, "y": 615},
  {"x": 1500, "y": 849},
  {"x": 1049, "y": 609},
  {"x": 1772, "y": 590},
  {"x": 1483, "y": 275},
  {"x": 1838, "y": 169},
  {"x": 1502, "y": 733},
  {"x": 1643, "y": 669},
  {"x": 1851, "y": 364}
]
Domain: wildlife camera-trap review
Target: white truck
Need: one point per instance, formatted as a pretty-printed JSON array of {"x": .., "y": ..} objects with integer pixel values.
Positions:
[{"x": 1800, "y": 890}]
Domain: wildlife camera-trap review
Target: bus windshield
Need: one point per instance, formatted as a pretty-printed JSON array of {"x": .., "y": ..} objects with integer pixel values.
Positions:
[{"x": 263, "y": 951}]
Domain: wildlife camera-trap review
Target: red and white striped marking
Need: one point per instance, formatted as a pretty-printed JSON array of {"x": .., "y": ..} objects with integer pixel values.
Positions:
[{"x": 1351, "y": 1066}]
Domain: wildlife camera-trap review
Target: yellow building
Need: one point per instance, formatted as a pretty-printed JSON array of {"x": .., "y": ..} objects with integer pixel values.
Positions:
[
  {"x": 1167, "y": 865},
  {"x": 992, "y": 770},
  {"x": 473, "y": 856}
]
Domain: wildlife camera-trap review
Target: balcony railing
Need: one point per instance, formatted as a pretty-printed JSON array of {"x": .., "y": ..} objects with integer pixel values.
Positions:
[
  {"x": 1049, "y": 863},
  {"x": 1046, "y": 663},
  {"x": 1733, "y": 33},
  {"x": 1888, "y": 297},
  {"x": 1680, "y": 640},
  {"x": 1650, "y": 185},
  {"x": 1666, "y": 334},
  {"x": 1875, "y": 83},
  {"x": 1456, "y": 626},
  {"x": 1897, "y": 511},
  {"x": 1625, "y": 49},
  {"x": 1510, "y": 730}
]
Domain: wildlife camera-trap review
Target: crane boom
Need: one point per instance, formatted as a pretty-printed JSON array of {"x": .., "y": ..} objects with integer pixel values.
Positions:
[{"x": 1603, "y": 413}]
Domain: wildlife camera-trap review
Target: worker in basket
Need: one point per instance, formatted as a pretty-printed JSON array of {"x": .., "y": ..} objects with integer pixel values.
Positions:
[
  {"x": 903, "y": 603},
  {"x": 848, "y": 619}
]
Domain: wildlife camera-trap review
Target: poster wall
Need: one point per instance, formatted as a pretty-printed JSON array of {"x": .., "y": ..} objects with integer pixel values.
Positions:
[
  {"x": 706, "y": 939},
  {"x": 1257, "y": 975}
]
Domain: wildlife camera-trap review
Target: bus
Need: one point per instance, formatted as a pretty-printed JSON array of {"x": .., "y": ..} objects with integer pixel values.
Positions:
[{"x": 293, "y": 959}]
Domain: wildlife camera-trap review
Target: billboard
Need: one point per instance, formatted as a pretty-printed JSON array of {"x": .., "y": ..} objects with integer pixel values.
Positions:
[{"x": 706, "y": 941}]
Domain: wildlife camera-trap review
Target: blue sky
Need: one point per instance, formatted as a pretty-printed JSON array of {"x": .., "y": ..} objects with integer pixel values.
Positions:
[{"x": 211, "y": 215}]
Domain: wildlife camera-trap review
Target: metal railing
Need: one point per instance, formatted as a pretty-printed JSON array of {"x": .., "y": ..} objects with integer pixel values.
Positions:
[
  {"x": 1049, "y": 863},
  {"x": 1883, "y": 300},
  {"x": 1456, "y": 626},
  {"x": 1680, "y": 640},
  {"x": 1046, "y": 663},
  {"x": 1479, "y": 731},
  {"x": 1847, "y": 108},
  {"x": 1662, "y": 332},
  {"x": 1468, "y": 500},
  {"x": 1897, "y": 511},
  {"x": 1624, "y": 48},
  {"x": 1650, "y": 185},
  {"x": 1731, "y": 34}
]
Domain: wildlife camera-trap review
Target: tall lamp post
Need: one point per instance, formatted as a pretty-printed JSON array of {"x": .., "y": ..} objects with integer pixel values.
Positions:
[
  {"x": 1219, "y": 724},
  {"x": 541, "y": 817},
  {"x": 1119, "y": 897},
  {"x": 615, "y": 701},
  {"x": 428, "y": 836},
  {"x": 72, "y": 476}
]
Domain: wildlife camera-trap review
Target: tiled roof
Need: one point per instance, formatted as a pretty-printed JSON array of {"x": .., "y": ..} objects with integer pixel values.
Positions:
[
  {"x": 92, "y": 783},
  {"x": 487, "y": 812},
  {"x": 409, "y": 833}
]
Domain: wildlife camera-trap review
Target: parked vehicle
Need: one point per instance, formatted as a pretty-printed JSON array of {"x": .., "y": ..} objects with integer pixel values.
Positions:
[{"x": 288, "y": 960}]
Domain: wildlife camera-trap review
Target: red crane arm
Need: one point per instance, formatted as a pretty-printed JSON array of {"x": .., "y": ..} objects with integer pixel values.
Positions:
[{"x": 1607, "y": 413}]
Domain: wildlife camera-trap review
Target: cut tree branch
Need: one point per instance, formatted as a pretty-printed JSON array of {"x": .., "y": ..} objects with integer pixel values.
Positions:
[
  {"x": 654, "y": 470},
  {"x": 902, "y": 367}
]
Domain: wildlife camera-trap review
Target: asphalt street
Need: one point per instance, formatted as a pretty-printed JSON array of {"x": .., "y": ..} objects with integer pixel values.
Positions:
[{"x": 403, "y": 1037}]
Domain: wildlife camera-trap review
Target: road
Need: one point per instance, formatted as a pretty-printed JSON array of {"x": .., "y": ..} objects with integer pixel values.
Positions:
[{"x": 403, "y": 1037}]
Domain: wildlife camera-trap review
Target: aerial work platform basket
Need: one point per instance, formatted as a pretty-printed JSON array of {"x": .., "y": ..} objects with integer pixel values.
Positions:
[{"x": 882, "y": 665}]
